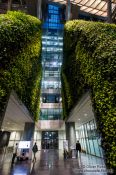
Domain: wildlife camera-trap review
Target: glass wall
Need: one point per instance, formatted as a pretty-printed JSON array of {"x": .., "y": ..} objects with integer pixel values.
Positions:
[
  {"x": 50, "y": 114},
  {"x": 89, "y": 138},
  {"x": 52, "y": 53}
]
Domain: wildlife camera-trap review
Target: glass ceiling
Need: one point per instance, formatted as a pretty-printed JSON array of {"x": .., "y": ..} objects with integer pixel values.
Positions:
[{"x": 96, "y": 7}]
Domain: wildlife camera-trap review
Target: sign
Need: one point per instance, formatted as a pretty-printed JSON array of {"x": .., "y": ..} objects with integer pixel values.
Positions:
[{"x": 24, "y": 144}]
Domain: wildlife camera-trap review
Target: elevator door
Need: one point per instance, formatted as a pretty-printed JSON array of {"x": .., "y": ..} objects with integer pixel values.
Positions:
[{"x": 49, "y": 139}]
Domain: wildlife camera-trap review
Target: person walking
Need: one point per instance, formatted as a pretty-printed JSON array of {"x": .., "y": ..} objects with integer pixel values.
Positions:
[
  {"x": 78, "y": 148},
  {"x": 34, "y": 149},
  {"x": 15, "y": 151}
]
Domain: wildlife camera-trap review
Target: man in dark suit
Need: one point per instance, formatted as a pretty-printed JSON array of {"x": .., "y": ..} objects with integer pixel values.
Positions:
[
  {"x": 15, "y": 151},
  {"x": 78, "y": 148}
]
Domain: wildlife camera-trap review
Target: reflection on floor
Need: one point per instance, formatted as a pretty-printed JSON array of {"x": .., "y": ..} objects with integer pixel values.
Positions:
[{"x": 51, "y": 162}]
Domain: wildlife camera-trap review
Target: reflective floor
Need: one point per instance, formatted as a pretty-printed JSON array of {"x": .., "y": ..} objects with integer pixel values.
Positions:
[{"x": 51, "y": 162}]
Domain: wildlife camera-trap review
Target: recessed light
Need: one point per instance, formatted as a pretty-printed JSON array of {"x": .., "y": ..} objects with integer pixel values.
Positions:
[
  {"x": 79, "y": 119},
  {"x": 85, "y": 115}
]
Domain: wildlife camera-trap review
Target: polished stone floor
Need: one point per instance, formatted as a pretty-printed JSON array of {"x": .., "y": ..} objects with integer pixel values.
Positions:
[{"x": 51, "y": 162}]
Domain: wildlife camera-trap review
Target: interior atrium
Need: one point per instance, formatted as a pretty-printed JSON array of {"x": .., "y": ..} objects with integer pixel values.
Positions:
[{"x": 49, "y": 94}]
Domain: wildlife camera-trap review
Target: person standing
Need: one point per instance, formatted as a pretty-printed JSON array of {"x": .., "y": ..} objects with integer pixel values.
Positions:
[
  {"x": 15, "y": 151},
  {"x": 78, "y": 148},
  {"x": 34, "y": 149}
]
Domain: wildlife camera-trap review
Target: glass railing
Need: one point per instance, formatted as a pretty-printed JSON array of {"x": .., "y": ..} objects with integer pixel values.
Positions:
[{"x": 50, "y": 117}]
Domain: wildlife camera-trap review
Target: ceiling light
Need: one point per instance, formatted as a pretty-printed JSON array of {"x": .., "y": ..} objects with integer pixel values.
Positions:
[
  {"x": 60, "y": 99},
  {"x": 85, "y": 115}
]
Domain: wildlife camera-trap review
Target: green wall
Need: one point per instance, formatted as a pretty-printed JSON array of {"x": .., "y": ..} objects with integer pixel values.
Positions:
[
  {"x": 90, "y": 64},
  {"x": 20, "y": 64}
]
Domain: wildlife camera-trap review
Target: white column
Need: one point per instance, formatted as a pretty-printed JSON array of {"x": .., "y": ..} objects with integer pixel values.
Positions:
[
  {"x": 71, "y": 134},
  {"x": 61, "y": 137}
]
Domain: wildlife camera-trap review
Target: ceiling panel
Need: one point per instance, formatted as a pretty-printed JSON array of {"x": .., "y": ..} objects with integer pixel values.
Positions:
[
  {"x": 16, "y": 114},
  {"x": 83, "y": 111}
]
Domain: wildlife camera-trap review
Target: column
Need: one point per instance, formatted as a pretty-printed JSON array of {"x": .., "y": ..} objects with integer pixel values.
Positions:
[
  {"x": 1, "y": 120},
  {"x": 74, "y": 11},
  {"x": 68, "y": 10},
  {"x": 109, "y": 11},
  {"x": 62, "y": 138},
  {"x": 71, "y": 134},
  {"x": 28, "y": 131},
  {"x": 4, "y": 138},
  {"x": 9, "y": 5},
  {"x": 39, "y": 6},
  {"x": 3, "y": 109},
  {"x": 28, "y": 135},
  {"x": 32, "y": 7}
]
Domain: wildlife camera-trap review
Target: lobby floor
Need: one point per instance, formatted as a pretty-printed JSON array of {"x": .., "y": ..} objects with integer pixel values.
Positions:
[{"x": 51, "y": 162}]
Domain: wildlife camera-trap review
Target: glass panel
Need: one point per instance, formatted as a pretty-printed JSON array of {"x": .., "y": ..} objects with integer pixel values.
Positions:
[
  {"x": 96, "y": 146},
  {"x": 84, "y": 144},
  {"x": 88, "y": 146},
  {"x": 50, "y": 114},
  {"x": 90, "y": 139},
  {"x": 49, "y": 139}
]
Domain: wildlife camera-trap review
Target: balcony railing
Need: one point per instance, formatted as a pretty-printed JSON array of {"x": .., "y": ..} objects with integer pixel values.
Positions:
[
  {"x": 49, "y": 124},
  {"x": 50, "y": 105},
  {"x": 51, "y": 91},
  {"x": 51, "y": 117}
]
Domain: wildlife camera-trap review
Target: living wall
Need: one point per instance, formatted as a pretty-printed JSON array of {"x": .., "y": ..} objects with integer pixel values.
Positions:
[
  {"x": 20, "y": 64},
  {"x": 90, "y": 64}
]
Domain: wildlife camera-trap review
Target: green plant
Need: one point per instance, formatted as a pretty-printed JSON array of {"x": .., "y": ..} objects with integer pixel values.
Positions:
[
  {"x": 20, "y": 65},
  {"x": 90, "y": 64}
]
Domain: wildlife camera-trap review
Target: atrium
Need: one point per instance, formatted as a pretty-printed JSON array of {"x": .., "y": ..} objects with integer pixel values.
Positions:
[{"x": 57, "y": 87}]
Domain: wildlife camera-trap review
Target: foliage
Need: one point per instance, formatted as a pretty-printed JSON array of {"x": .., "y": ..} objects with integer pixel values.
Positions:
[
  {"x": 20, "y": 65},
  {"x": 90, "y": 63}
]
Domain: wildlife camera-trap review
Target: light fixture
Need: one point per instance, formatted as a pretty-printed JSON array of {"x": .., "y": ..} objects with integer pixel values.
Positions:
[
  {"x": 60, "y": 99},
  {"x": 54, "y": 63},
  {"x": 2, "y": 129},
  {"x": 85, "y": 115}
]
